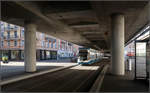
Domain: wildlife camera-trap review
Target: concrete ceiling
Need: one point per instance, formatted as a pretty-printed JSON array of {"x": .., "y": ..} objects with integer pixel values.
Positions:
[{"x": 84, "y": 23}]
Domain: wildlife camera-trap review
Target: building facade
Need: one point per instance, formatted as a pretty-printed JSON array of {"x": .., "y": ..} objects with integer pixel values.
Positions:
[{"x": 48, "y": 47}]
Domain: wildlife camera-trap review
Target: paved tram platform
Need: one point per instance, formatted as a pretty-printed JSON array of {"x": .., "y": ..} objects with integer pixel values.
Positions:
[{"x": 126, "y": 83}]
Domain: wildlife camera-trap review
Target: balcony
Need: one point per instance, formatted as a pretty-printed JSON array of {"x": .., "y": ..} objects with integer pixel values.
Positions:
[
  {"x": 11, "y": 47},
  {"x": 50, "y": 39},
  {"x": 11, "y": 38},
  {"x": 11, "y": 29}
]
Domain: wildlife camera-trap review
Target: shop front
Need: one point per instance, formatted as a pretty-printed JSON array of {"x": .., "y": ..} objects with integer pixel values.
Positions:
[
  {"x": 4, "y": 53},
  {"x": 64, "y": 54},
  {"x": 38, "y": 55},
  {"x": 53, "y": 54},
  {"x": 15, "y": 55},
  {"x": 48, "y": 55},
  {"x": 42, "y": 54},
  {"x": 22, "y": 55}
]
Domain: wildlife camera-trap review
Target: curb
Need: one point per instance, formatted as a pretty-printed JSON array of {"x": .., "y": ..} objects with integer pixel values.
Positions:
[{"x": 98, "y": 82}]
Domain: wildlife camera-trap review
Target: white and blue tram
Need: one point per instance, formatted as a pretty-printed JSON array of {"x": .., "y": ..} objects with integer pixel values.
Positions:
[{"x": 88, "y": 56}]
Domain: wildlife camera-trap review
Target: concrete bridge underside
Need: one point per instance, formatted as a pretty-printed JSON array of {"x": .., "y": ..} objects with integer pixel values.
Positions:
[{"x": 94, "y": 24}]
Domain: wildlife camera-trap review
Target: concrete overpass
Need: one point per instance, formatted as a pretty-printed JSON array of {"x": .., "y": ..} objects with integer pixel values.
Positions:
[{"x": 96, "y": 24}]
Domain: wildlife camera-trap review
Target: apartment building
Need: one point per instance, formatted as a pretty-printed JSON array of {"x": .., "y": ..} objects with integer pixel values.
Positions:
[{"x": 48, "y": 47}]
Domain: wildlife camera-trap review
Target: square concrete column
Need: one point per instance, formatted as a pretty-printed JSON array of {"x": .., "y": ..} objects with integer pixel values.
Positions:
[
  {"x": 30, "y": 48},
  {"x": 117, "y": 44}
]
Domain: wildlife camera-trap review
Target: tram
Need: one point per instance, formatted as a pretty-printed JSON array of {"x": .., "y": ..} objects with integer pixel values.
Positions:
[{"x": 88, "y": 56}]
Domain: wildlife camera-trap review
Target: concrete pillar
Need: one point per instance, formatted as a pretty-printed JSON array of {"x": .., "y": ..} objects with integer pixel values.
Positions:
[
  {"x": 30, "y": 48},
  {"x": 117, "y": 44}
]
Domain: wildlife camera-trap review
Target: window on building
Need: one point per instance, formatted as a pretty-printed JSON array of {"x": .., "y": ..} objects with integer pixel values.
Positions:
[
  {"x": 22, "y": 32},
  {"x": 69, "y": 45},
  {"x": 52, "y": 45},
  {"x": 8, "y": 26},
  {"x": 15, "y": 43},
  {"x": 16, "y": 28},
  {"x": 11, "y": 26},
  {"x": 55, "y": 45},
  {"x": 22, "y": 43},
  {"x": 48, "y": 44},
  {"x": 8, "y": 43},
  {"x": 8, "y": 34},
  {"x": 43, "y": 43},
  {"x": 15, "y": 34},
  {"x": 2, "y": 26},
  {"x": 62, "y": 45},
  {"x": 2, "y": 34},
  {"x": 2, "y": 43}
]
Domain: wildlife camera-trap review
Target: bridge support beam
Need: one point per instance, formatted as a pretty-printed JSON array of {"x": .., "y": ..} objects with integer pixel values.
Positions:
[
  {"x": 30, "y": 48},
  {"x": 117, "y": 44}
]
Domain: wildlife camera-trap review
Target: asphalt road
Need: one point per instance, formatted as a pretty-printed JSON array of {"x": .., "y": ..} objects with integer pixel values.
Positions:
[
  {"x": 13, "y": 69},
  {"x": 79, "y": 78}
]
